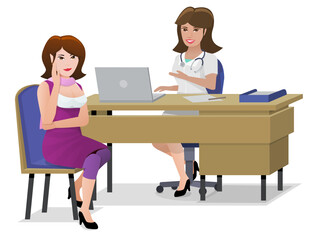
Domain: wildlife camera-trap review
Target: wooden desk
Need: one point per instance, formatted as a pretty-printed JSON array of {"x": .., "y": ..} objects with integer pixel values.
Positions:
[{"x": 235, "y": 138}]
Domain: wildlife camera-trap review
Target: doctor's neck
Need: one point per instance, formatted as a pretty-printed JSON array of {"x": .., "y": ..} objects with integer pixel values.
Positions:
[{"x": 193, "y": 51}]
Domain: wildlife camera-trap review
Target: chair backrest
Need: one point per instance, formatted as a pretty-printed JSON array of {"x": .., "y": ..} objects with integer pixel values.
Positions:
[
  {"x": 220, "y": 81},
  {"x": 29, "y": 135}
]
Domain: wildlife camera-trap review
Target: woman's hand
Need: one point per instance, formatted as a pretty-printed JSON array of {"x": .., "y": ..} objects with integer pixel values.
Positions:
[
  {"x": 164, "y": 88},
  {"x": 48, "y": 126},
  {"x": 179, "y": 75},
  {"x": 55, "y": 75}
]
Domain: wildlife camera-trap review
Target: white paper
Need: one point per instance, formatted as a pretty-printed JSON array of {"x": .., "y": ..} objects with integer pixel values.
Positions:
[
  {"x": 262, "y": 93},
  {"x": 201, "y": 98}
]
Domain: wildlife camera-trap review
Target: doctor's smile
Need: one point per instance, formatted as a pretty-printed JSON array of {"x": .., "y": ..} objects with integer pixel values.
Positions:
[{"x": 190, "y": 41}]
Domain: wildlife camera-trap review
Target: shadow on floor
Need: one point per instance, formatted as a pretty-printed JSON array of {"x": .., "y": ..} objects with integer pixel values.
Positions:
[{"x": 146, "y": 195}]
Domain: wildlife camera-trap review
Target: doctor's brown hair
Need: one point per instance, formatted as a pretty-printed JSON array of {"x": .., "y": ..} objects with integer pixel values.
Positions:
[
  {"x": 201, "y": 18},
  {"x": 71, "y": 45}
]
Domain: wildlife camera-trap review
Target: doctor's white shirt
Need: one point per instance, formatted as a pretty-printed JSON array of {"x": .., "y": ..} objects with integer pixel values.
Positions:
[{"x": 185, "y": 87}]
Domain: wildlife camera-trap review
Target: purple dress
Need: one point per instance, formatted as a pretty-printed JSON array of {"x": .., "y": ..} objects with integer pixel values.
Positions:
[{"x": 66, "y": 146}]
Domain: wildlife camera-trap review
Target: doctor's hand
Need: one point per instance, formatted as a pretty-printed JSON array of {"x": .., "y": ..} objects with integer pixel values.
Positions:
[
  {"x": 164, "y": 88},
  {"x": 179, "y": 74}
]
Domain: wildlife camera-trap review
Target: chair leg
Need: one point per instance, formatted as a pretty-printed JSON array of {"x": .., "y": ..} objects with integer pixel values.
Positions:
[
  {"x": 46, "y": 193},
  {"x": 202, "y": 189},
  {"x": 73, "y": 196},
  {"x": 94, "y": 192},
  {"x": 189, "y": 156},
  {"x": 91, "y": 207},
  {"x": 110, "y": 170},
  {"x": 29, "y": 195}
]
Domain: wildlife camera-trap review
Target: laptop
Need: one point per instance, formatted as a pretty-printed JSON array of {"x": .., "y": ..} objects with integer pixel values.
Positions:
[{"x": 121, "y": 84}]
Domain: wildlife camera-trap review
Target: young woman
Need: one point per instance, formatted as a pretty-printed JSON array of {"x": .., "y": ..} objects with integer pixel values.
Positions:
[
  {"x": 63, "y": 111},
  {"x": 195, "y": 69}
]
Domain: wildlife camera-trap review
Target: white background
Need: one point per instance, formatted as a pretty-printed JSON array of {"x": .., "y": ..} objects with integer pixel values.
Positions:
[{"x": 266, "y": 45}]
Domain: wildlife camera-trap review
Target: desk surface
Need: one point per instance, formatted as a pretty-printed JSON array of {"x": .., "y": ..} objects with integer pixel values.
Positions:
[{"x": 178, "y": 102}]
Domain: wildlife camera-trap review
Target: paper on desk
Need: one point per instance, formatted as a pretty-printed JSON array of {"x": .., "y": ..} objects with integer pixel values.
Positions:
[{"x": 201, "y": 98}]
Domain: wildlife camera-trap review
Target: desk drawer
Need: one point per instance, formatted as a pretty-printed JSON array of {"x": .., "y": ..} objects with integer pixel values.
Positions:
[{"x": 243, "y": 159}]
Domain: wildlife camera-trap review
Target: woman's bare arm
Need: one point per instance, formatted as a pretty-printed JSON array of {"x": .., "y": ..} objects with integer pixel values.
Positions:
[
  {"x": 47, "y": 102},
  {"x": 208, "y": 82},
  {"x": 168, "y": 88},
  {"x": 80, "y": 121}
]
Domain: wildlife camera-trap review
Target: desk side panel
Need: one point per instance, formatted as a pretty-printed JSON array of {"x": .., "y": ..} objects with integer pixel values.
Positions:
[
  {"x": 282, "y": 123},
  {"x": 175, "y": 129}
]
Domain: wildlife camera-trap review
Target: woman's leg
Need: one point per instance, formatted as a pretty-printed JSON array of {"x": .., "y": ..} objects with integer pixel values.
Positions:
[
  {"x": 91, "y": 167},
  {"x": 87, "y": 190},
  {"x": 163, "y": 147},
  {"x": 177, "y": 153},
  {"x": 105, "y": 155},
  {"x": 78, "y": 186}
]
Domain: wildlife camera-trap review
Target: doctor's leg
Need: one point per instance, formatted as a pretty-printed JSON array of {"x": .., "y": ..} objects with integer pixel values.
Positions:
[
  {"x": 177, "y": 153},
  {"x": 163, "y": 147}
]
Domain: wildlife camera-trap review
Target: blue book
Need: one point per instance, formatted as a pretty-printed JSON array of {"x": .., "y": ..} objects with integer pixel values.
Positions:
[{"x": 255, "y": 96}]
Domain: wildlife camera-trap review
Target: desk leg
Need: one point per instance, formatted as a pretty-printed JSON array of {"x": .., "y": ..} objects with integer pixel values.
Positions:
[
  {"x": 110, "y": 165},
  {"x": 263, "y": 187},
  {"x": 280, "y": 180},
  {"x": 202, "y": 189}
]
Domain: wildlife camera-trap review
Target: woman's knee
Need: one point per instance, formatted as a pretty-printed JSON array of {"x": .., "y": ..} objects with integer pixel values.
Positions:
[
  {"x": 175, "y": 148},
  {"x": 159, "y": 145},
  {"x": 105, "y": 155},
  {"x": 91, "y": 166}
]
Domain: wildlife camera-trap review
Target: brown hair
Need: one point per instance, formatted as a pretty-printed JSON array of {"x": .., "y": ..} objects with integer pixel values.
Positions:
[
  {"x": 71, "y": 45},
  {"x": 201, "y": 18}
]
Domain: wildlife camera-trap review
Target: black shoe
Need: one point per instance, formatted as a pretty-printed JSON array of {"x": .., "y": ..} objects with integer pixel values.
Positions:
[
  {"x": 182, "y": 192},
  {"x": 79, "y": 203},
  {"x": 196, "y": 168},
  {"x": 89, "y": 225}
]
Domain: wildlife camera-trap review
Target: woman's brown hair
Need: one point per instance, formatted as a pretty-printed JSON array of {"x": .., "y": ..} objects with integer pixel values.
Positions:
[
  {"x": 201, "y": 18},
  {"x": 71, "y": 45}
]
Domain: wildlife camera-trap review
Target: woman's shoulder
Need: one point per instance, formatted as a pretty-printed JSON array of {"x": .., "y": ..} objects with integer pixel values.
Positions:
[
  {"x": 209, "y": 57},
  {"x": 46, "y": 85}
]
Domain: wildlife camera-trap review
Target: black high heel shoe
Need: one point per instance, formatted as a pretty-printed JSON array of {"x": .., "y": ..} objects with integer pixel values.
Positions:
[
  {"x": 196, "y": 168},
  {"x": 79, "y": 203},
  {"x": 182, "y": 192},
  {"x": 89, "y": 225}
]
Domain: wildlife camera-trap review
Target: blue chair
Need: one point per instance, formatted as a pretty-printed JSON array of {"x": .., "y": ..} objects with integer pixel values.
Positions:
[
  {"x": 30, "y": 145},
  {"x": 189, "y": 152}
]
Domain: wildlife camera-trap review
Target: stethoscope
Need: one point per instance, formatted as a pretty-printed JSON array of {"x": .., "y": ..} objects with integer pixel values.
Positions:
[{"x": 194, "y": 67}]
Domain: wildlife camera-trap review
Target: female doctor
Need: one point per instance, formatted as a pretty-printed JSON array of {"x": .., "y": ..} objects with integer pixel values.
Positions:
[{"x": 195, "y": 69}]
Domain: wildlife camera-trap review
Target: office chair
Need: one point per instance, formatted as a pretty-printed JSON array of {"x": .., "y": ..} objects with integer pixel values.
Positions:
[
  {"x": 30, "y": 145},
  {"x": 189, "y": 153}
]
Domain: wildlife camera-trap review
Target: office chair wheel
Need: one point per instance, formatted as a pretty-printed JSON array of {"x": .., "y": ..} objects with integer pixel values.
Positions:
[
  {"x": 200, "y": 191},
  {"x": 174, "y": 187},
  {"x": 160, "y": 189}
]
